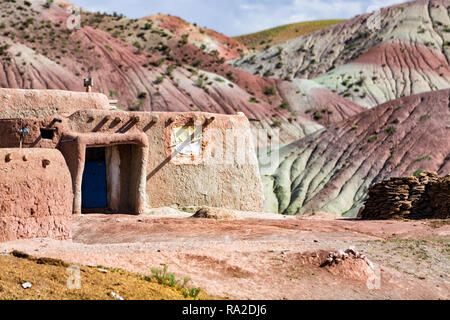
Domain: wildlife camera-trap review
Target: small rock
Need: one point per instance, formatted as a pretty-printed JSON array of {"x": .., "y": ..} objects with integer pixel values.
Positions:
[
  {"x": 215, "y": 213},
  {"x": 115, "y": 295},
  {"x": 26, "y": 285}
]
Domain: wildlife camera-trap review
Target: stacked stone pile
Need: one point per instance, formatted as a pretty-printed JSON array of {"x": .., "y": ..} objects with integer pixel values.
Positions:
[
  {"x": 424, "y": 196},
  {"x": 439, "y": 194}
]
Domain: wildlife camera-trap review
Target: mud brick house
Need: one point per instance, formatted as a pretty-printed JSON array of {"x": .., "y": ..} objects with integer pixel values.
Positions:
[{"x": 71, "y": 152}]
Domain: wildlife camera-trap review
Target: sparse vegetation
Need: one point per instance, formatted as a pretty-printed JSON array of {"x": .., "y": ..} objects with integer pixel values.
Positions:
[
  {"x": 270, "y": 91},
  {"x": 162, "y": 276},
  {"x": 417, "y": 173},
  {"x": 284, "y": 105},
  {"x": 425, "y": 117},
  {"x": 427, "y": 157},
  {"x": 390, "y": 130}
]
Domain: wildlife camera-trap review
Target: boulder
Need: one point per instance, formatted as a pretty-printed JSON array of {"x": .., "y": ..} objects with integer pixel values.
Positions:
[{"x": 215, "y": 213}]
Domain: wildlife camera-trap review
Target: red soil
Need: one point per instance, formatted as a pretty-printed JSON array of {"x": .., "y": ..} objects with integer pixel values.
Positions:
[
  {"x": 228, "y": 48},
  {"x": 260, "y": 258},
  {"x": 406, "y": 55}
]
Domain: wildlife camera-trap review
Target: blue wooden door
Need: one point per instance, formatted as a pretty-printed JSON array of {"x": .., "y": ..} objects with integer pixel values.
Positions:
[{"x": 93, "y": 189}]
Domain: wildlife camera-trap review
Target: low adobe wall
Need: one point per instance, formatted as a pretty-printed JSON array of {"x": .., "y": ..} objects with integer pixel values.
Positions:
[
  {"x": 21, "y": 103},
  {"x": 35, "y": 194}
]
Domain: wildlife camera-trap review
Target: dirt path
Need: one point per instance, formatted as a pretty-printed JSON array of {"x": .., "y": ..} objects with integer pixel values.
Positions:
[{"x": 267, "y": 258}]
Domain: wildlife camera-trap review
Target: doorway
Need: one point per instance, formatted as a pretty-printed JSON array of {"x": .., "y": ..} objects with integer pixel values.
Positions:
[{"x": 94, "y": 187}]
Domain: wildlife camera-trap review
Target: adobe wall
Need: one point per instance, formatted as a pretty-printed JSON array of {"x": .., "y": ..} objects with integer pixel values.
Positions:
[
  {"x": 21, "y": 103},
  {"x": 222, "y": 176},
  {"x": 210, "y": 180},
  {"x": 35, "y": 194}
]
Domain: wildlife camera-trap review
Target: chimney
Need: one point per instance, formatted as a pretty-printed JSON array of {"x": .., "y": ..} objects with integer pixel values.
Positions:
[{"x": 88, "y": 84}]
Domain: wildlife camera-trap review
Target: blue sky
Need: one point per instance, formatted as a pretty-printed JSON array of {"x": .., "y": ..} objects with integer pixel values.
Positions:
[{"x": 236, "y": 17}]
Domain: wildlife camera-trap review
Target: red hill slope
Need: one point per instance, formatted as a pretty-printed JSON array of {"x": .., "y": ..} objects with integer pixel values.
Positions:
[
  {"x": 331, "y": 171},
  {"x": 208, "y": 39},
  {"x": 145, "y": 67}
]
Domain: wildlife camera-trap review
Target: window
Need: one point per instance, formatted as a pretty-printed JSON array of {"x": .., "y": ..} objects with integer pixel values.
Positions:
[
  {"x": 47, "y": 133},
  {"x": 187, "y": 140}
]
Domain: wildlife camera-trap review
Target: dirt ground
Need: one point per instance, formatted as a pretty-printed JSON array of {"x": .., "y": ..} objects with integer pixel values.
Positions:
[{"x": 260, "y": 258}]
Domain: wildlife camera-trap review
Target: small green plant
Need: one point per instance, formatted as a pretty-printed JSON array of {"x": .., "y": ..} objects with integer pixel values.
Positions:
[
  {"x": 417, "y": 173},
  {"x": 284, "y": 105},
  {"x": 372, "y": 138},
  {"x": 137, "y": 45},
  {"x": 162, "y": 276},
  {"x": 142, "y": 95},
  {"x": 48, "y": 3},
  {"x": 159, "y": 79},
  {"x": 270, "y": 91},
  {"x": 197, "y": 63},
  {"x": 354, "y": 127},
  {"x": 276, "y": 123},
  {"x": 158, "y": 63},
  {"x": 425, "y": 117},
  {"x": 191, "y": 292},
  {"x": 318, "y": 115},
  {"x": 390, "y": 130}
]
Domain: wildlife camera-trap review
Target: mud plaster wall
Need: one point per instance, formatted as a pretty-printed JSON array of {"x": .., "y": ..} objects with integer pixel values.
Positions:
[
  {"x": 208, "y": 181},
  {"x": 18, "y": 103},
  {"x": 35, "y": 194},
  {"x": 113, "y": 177}
]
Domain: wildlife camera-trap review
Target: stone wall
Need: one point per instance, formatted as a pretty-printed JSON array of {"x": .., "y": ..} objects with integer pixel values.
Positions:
[
  {"x": 35, "y": 195},
  {"x": 424, "y": 196}
]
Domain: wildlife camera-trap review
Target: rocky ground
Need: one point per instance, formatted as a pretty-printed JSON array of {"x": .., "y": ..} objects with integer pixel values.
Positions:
[{"x": 266, "y": 256}]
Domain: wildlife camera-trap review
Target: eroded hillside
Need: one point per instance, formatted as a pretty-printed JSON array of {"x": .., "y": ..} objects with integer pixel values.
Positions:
[
  {"x": 330, "y": 171},
  {"x": 371, "y": 59},
  {"x": 146, "y": 67}
]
